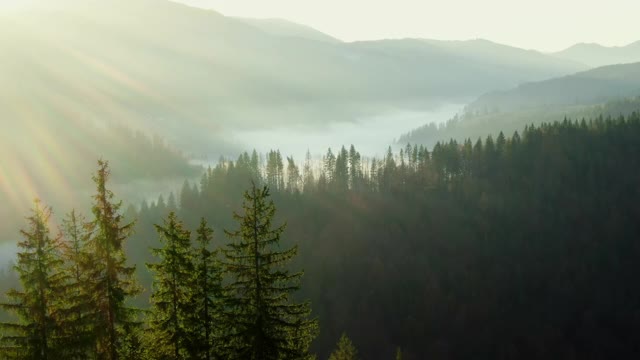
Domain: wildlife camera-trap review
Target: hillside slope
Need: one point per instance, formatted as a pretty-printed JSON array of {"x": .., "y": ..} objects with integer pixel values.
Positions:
[
  {"x": 588, "y": 87},
  {"x": 169, "y": 66},
  {"x": 597, "y": 55}
]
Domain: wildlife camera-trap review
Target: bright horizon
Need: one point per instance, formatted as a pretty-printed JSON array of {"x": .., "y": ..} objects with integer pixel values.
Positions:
[{"x": 544, "y": 25}]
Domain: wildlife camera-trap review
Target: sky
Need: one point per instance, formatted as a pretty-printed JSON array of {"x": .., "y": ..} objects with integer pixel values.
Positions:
[{"x": 545, "y": 25}]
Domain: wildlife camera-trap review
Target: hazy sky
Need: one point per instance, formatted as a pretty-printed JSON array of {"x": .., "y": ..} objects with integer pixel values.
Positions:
[{"x": 546, "y": 25}]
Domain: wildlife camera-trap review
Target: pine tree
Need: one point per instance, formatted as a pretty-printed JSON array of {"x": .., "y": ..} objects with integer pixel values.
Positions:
[
  {"x": 112, "y": 280},
  {"x": 345, "y": 350},
  {"x": 355, "y": 171},
  {"x": 329, "y": 163},
  {"x": 171, "y": 298},
  {"x": 74, "y": 319},
  {"x": 307, "y": 174},
  {"x": 342, "y": 171},
  {"x": 202, "y": 322},
  {"x": 293, "y": 176},
  {"x": 39, "y": 268},
  {"x": 263, "y": 322}
]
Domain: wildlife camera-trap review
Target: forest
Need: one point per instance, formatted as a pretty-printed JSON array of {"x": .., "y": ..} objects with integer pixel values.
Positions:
[{"x": 520, "y": 246}]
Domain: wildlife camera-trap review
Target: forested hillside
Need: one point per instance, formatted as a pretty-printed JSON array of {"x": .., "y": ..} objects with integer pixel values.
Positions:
[
  {"x": 479, "y": 123},
  {"x": 519, "y": 247},
  {"x": 587, "y": 87},
  {"x": 319, "y": 180},
  {"x": 510, "y": 247},
  {"x": 46, "y": 159}
]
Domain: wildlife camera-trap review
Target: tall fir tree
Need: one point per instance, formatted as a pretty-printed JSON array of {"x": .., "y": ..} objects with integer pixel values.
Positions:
[
  {"x": 39, "y": 267},
  {"x": 171, "y": 301},
  {"x": 75, "y": 318},
  {"x": 113, "y": 281},
  {"x": 203, "y": 322},
  {"x": 262, "y": 320}
]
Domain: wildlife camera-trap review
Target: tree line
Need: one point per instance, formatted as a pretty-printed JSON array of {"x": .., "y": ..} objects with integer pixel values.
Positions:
[{"x": 505, "y": 247}]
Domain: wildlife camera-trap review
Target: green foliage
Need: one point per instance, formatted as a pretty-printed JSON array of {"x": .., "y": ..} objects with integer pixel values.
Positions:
[
  {"x": 261, "y": 319},
  {"x": 203, "y": 323},
  {"x": 512, "y": 247},
  {"x": 112, "y": 281},
  {"x": 75, "y": 319},
  {"x": 521, "y": 246},
  {"x": 480, "y": 124},
  {"x": 172, "y": 297},
  {"x": 345, "y": 350},
  {"x": 37, "y": 334}
]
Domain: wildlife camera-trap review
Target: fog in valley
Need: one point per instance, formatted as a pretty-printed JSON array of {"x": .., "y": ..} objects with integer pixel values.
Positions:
[{"x": 371, "y": 135}]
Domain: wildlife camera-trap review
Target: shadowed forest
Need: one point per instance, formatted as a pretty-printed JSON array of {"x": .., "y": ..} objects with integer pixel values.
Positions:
[{"x": 514, "y": 247}]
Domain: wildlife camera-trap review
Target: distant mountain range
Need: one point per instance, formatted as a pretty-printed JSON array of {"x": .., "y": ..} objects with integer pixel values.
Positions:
[
  {"x": 191, "y": 73},
  {"x": 596, "y": 55},
  {"x": 612, "y": 90},
  {"x": 285, "y": 28},
  {"x": 588, "y": 87}
]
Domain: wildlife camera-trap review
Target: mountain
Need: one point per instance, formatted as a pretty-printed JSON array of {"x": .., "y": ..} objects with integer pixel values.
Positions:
[
  {"x": 72, "y": 68},
  {"x": 455, "y": 68},
  {"x": 596, "y": 55},
  {"x": 285, "y": 28},
  {"x": 606, "y": 91},
  {"x": 588, "y": 87},
  {"x": 475, "y": 125},
  {"x": 190, "y": 73}
]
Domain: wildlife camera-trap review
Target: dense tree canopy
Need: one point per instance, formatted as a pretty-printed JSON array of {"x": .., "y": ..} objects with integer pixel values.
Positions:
[{"x": 521, "y": 246}]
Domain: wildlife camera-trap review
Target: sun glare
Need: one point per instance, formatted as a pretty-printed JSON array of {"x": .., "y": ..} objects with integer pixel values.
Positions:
[{"x": 12, "y": 4}]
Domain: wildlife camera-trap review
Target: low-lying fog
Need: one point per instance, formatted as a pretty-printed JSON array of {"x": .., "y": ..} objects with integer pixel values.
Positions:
[{"x": 370, "y": 135}]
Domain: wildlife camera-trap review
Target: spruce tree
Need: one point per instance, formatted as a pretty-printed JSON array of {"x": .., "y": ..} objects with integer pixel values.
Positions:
[
  {"x": 203, "y": 322},
  {"x": 113, "y": 281},
  {"x": 262, "y": 321},
  {"x": 171, "y": 298},
  {"x": 293, "y": 176},
  {"x": 345, "y": 350},
  {"x": 75, "y": 318},
  {"x": 39, "y": 264}
]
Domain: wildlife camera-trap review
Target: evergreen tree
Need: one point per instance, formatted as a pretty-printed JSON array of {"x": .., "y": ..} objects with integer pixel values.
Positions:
[
  {"x": 203, "y": 322},
  {"x": 171, "y": 299},
  {"x": 329, "y": 163},
  {"x": 112, "y": 280},
  {"x": 355, "y": 171},
  {"x": 345, "y": 350},
  {"x": 39, "y": 268},
  {"x": 307, "y": 174},
  {"x": 75, "y": 319},
  {"x": 341, "y": 172},
  {"x": 172, "y": 205},
  {"x": 263, "y": 322},
  {"x": 293, "y": 176}
]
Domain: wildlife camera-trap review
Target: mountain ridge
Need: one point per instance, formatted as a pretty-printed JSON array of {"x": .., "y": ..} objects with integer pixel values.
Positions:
[
  {"x": 596, "y": 55},
  {"x": 583, "y": 88}
]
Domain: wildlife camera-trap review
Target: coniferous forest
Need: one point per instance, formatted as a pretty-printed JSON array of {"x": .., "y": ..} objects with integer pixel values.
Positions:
[
  {"x": 508, "y": 247},
  {"x": 319, "y": 180}
]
